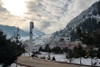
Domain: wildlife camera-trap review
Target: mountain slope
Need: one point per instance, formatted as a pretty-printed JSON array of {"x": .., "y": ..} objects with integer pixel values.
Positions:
[
  {"x": 88, "y": 20},
  {"x": 37, "y": 32},
  {"x": 11, "y": 29}
]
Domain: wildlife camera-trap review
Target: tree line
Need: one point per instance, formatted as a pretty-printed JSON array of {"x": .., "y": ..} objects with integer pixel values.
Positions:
[{"x": 56, "y": 49}]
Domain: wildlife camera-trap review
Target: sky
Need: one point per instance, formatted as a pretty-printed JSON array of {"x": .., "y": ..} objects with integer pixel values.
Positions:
[{"x": 48, "y": 16}]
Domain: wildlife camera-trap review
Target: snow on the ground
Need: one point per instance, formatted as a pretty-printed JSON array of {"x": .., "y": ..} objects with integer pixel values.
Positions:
[
  {"x": 14, "y": 65},
  {"x": 44, "y": 53},
  {"x": 26, "y": 54},
  {"x": 62, "y": 58},
  {"x": 58, "y": 57},
  {"x": 86, "y": 61},
  {"x": 0, "y": 65}
]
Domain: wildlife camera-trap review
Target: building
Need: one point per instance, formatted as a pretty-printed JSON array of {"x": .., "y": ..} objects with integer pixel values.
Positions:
[{"x": 62, "y": 41}]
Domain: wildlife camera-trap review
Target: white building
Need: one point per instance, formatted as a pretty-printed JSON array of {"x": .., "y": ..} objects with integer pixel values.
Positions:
[{"x": 62, "y": 41}]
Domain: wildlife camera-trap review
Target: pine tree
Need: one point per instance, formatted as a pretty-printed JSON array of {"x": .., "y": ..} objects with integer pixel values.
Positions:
[
  {"x": 81, "y": 52},
  {"x": 65, "y": 49},
  {"x": 9, "y": 50},
  {"x": 57, "y": 49},
  {"x": 40, "y": 49},
  {"x": 47, "y": 48},
  {"x": 16, "y": 39},
  {"x": 53, "y": 49},
  {"x": 76, "y": 52},
  {"x": 91, "y": 40},
  {"x": 70, "y": 55}
]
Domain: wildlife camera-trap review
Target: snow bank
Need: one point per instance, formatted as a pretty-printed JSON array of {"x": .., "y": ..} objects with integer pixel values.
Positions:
[
  {"x": 62, "y": 58},
  {"x": 58, "y": 57}
]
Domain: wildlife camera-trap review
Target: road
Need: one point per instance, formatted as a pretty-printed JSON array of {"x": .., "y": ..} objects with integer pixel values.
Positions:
[{"x": 40, "y": 63}]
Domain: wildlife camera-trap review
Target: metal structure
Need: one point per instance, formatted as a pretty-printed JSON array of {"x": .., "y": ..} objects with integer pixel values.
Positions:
[{"x": 31, "y": 36}]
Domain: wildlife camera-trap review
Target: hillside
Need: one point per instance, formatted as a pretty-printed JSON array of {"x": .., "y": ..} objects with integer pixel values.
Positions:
[
  {"x": 9, "y": 30},
  {"x": 88, "y": 20}
]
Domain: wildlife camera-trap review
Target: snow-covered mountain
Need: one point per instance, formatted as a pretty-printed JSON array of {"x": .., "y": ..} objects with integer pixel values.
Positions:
[
  {"x": 37, "y": 40},
  {"x": 41, "y": 40},
  {"x": 88, "y": 20},
  {"x": 37, "y": 32},
  {"x": 9, "y": 30}
]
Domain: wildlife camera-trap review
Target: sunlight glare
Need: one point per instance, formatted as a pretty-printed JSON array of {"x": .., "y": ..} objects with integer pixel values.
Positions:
[{"x": 16, "y": 7}]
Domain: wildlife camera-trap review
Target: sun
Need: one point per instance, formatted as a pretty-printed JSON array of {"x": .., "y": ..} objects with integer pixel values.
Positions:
[{"x": 16, "y": 7}]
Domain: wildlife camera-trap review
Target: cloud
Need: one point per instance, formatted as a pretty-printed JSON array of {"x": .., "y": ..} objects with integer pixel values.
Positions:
[
  {"x": 2, "y": 9},
  {"x": 48, "y": 15},
  {"x": 6, "y": 18},
  {"x": 33, "y": 6},
  {"x": 53, "y": 15}
]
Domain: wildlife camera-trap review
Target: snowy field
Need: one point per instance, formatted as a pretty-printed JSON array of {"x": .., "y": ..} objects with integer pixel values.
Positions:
[{"x": 62, "y": 58}]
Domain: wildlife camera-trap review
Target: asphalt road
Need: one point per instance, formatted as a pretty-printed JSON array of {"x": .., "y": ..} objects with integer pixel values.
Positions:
[{"x": 40, "y": 63}]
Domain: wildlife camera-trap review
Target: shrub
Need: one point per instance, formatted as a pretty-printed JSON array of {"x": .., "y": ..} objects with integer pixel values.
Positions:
[
  {"x": 33, "y": 55},
  {"x": 49, "y": 57},
  {"x": 43, "y": 57},
  {"x": 53, "y": 59}
]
